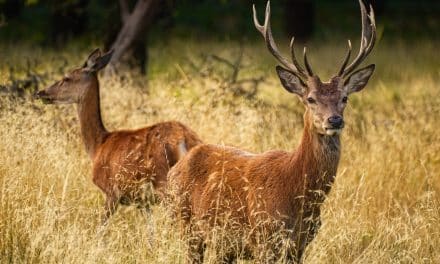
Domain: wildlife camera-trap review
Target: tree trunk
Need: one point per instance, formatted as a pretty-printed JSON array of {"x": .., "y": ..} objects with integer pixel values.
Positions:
[{"x": 131, "y": 39}]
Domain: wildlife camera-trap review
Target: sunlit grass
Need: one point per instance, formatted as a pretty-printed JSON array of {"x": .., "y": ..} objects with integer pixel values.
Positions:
[{"x": 383, "y": 208}]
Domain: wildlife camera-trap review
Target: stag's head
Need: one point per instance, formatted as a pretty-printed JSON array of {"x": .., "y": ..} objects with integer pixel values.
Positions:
[
  {"x": 74, "y": 85},
  {"x": 325, "y": 101}
]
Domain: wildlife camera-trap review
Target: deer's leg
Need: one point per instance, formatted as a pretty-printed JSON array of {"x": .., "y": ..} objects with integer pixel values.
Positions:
[
  {"x": 196, "y": 245},
  {"x": 307, "y": 235},
  {"x": 196, "y": 249},
  {"x": 110, "y": 206},
  {"x": 295, "y": 253}
]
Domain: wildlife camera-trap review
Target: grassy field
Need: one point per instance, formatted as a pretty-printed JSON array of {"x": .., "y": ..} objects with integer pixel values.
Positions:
[{"x": 383, "y": 208}]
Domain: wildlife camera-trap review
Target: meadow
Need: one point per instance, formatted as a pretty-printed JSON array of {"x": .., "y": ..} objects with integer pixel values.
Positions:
[{"x": 383, "y": 208}]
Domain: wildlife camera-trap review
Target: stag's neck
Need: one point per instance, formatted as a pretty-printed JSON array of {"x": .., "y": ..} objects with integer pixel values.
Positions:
[
  {"x": 316, "y": 159},
  {"x": 89, "y": 111}
]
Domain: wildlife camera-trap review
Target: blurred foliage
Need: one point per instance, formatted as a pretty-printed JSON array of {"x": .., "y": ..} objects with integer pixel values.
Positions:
[{"x": 35, "y": 21}]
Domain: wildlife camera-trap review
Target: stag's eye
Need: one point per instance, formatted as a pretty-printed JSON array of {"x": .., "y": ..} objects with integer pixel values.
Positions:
[
  {"x": 345, "y": 99},
  {"x": 311, "y": 100}
]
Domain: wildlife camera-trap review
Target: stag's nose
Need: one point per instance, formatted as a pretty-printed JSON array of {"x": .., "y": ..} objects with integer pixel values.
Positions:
[{"x": 336, "y": 121}]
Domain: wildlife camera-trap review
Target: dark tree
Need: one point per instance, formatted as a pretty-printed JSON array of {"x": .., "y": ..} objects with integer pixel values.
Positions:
[
  {"x": 131, "y": 41},
  {"x": 68, "y": 19},
  {"x": 11, "y": 8},
  {"x": 299, "y": 17}
]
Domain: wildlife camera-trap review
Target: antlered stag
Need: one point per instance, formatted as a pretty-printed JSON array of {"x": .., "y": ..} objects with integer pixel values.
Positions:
[
  {"x": 127, "y": 164},
  {"x": 276, "y": 190}
]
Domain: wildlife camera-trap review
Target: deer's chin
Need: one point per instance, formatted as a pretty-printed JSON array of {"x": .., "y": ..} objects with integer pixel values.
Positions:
[{"x": 333, "y": 131}]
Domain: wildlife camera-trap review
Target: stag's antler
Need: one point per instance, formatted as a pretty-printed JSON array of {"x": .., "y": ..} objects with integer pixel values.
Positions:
[
  {"x": 368, "y": 40},
  {"x": 266, "y": 31}
]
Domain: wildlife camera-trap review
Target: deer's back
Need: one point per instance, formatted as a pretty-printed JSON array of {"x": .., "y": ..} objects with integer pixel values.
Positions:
[{"x": 129, "y": 159}]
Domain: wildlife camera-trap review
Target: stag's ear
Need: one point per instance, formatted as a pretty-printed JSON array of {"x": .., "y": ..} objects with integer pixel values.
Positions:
[
  {"x": 359, "y": 79},
  {"x": 290, "y": 81},
  {"x": 96, "y": 62}
]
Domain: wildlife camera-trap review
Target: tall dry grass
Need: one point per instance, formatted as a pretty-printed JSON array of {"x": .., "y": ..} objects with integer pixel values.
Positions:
[{"x": 383, "y": 208}]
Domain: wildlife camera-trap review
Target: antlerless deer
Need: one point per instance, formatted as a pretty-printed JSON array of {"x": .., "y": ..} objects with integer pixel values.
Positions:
[
  {"x": 276, "y": 190},
  {"x": 126, "y": 163}
]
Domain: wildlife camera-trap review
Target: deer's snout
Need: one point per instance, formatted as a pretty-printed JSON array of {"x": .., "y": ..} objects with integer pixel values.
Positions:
[
  {"x": 40, "y": 94},
  {"x": 336, "y": 121},
  {"x": 44, "y": 96}
]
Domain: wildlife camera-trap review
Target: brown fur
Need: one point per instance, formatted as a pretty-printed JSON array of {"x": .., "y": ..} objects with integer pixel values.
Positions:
[
  {"x": 128, "y": 161},
  {"x": 273, "y": 183},
  {"x": 274, "y": 197},
  {"x": 269, "y": 192},
  {"x": 128, "y": 165}
]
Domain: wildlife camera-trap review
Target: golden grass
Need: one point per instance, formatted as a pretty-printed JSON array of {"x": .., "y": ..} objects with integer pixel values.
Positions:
[{"x": 383, "y": 208}]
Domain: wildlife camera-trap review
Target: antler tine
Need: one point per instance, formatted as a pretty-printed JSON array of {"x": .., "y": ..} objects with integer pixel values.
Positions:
[
  {"x": 373, "y": 29},
  {"x": 256, "y": 23},
  {"x": 306, "y": 63},
  {"x": 368, "y": 38},
  {"x": 295, "y": 62},
  {"x": 266, "y": 31},
  {"x": 347, "y": 58}
]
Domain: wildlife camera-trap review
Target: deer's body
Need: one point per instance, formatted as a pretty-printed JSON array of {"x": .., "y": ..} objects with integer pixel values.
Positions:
[
  {"x": 257, "y": 190},
  {"x": 278, "y": 177},
  {"x": 277, "y": 195},
  {"x": 128, "y": 165},
  {"x": 126, "y": 162}
]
